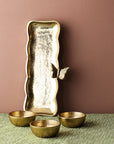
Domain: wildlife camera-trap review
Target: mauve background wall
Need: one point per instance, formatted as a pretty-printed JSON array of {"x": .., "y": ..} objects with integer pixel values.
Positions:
[{"x": 86, "y": 45}]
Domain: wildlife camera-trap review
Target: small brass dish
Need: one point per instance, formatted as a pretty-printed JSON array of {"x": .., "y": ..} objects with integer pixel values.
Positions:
[
  {"x": 72, "y": 119},
  {"x": 21, "y": 118},
  {"x": 45, "y": 128}
]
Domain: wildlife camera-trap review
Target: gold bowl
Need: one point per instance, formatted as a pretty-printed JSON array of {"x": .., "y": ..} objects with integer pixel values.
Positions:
[
  {"x": 72, "y": 119},
  {"x": 21, "y": 118},
  {"x": 45, "y": 128}
]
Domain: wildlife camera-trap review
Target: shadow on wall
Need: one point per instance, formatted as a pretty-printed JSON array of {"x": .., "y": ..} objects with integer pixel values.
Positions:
[{"x": 73, "y": 77}]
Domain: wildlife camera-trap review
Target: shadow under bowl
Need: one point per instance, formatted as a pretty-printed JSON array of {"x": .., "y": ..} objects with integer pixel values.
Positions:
[
  {"x": 45, "y": 128},
  {"x": 72, "y": 119},
  {"x": 21, "y": 118}
]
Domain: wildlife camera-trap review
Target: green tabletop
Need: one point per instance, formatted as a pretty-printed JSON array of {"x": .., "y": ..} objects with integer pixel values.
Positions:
[{"x": 98, "y": 129}]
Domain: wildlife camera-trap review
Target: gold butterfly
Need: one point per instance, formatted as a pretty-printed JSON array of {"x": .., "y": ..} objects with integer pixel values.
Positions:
[{"x": 59, "y": 73}]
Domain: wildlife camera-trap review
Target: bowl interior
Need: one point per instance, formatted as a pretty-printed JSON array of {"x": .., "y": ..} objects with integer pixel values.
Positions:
[
  {"x": 21, "y": 114},
  {"x": 72, "y": 115},
  {"x": 45, "y": 123}
]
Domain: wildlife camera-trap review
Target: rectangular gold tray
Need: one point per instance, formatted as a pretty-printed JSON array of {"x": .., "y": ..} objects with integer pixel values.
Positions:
[{"x": 42, "y": 52}]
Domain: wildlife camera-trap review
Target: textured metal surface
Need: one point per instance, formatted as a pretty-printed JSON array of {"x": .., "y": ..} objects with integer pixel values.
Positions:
[
  {"x": 42, "y": 51},
  {"x": 21, "y": 118},
  {"x": 72, "y": 119},
  {"x": 45, "y": 128}
]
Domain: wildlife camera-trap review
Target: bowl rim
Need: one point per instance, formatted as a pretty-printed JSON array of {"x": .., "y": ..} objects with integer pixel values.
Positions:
[
  {"x": 10, "y": 114},
  {"x": 84, "y": 115},
  {"x": 31, "y": 125}
]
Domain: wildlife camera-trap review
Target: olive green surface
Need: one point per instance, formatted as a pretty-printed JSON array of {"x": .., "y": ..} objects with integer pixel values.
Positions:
[{"x": 98, "y": 129}]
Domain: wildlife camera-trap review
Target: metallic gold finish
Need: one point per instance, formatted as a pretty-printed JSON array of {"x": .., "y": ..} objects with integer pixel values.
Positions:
[
  {"x": 42, "y": 51},
  {"x": 21, "y": 118},
  {"x": 72, "y": 119},
  {"x": 59, "y": 73},
  {"x": 45, "y": 128}
]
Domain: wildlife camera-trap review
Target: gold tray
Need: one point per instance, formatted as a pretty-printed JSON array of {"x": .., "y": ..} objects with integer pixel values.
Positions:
[{"x": 42, "y": 52}]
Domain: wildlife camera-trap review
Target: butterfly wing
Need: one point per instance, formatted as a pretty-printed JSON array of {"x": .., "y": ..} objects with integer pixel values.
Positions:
[
  {"x": 63, "y": 72},
  {"x": 54, "y": 71}
]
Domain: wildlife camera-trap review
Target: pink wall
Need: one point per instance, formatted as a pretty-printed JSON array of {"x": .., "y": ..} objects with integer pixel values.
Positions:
[{"x": 87, "y": 46}]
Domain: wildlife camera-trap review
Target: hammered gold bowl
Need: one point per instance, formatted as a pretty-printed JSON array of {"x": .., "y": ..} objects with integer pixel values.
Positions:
[
  {"x": 72, "y": 119},
  {"x": 21, "y": 118},
  {"x": 45, "y": 128}
]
